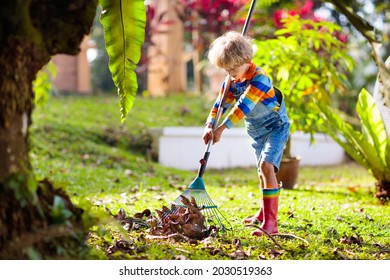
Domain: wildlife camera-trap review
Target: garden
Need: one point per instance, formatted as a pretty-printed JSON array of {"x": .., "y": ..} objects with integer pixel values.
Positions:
[
  {"x": 91, "y": 156},
  {"x": 79, "y": 178}
]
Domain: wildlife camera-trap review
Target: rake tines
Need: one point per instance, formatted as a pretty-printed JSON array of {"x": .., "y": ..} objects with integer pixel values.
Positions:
[{"x": 197, "y": 193}]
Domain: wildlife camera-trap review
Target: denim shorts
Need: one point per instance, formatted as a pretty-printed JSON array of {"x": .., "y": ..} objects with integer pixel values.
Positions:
[{"x": 269, "y": 131}]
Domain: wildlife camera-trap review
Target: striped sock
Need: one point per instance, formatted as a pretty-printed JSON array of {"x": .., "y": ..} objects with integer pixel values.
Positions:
[{"x": 269, "y": 193}]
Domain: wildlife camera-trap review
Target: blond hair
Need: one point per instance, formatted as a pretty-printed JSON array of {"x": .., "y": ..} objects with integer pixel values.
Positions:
[{"x": 230, "y": 50}]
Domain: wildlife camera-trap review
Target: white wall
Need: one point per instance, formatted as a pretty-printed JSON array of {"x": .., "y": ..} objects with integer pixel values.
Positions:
[{"x": 183, "y": 147}]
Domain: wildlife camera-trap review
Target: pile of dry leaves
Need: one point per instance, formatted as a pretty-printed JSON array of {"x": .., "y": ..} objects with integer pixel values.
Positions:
[{"x": 186, "y": 223}]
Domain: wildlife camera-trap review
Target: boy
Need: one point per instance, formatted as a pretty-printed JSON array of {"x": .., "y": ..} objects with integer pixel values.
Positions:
[{"x": 255, "y": 100}]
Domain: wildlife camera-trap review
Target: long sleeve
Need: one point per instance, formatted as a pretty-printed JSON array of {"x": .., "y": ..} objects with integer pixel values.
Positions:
[
  {"x": 261, "y": 90},
  {"x": 254, "y": 87},
  {"x": 228, "y": 102}
]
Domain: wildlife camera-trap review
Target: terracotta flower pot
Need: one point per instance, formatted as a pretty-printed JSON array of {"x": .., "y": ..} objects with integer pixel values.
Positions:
[{"x": 288, "y": 172}]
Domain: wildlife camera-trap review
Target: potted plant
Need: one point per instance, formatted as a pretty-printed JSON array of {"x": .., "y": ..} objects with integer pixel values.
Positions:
[{"x": 306, "y": 61}]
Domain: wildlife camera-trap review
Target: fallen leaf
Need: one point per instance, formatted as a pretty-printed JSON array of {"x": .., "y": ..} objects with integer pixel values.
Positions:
[
  {"x": 181, "y": 258},
  {"x": 276, "y": 253},
  {"x": 351, "y": 240},
  {"x": 239, "y": 255},
  {"x": 368, "y": 217},
  {"x": 146, "y": 213},
  {"x": 353, "y": 189},
  {"x": 138, "y": 215},
  {"x": 121, "y": 214}
]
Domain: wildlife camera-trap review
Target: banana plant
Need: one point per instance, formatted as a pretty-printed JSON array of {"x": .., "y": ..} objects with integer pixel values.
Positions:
[
  {"x": 370, "y": 147},
  {"x": 124, "y": 31}
]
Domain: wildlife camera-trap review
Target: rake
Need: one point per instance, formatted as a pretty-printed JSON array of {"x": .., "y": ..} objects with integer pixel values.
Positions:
[{"x": 197, "y": 189}]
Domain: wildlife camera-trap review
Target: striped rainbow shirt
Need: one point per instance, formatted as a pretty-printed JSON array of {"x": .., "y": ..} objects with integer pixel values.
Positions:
[{"x": 255, "y": 87}]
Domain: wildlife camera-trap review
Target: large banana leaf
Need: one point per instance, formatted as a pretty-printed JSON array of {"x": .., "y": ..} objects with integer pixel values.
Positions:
[
  {"x": 372, "y": 122},
  {"x": 124, "y": 32},
  {"x": 371, "y": 153},
  {"x": 338, "y": 126}
]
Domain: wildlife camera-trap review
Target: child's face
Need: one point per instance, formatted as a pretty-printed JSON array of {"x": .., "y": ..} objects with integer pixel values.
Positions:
[{"x": 238, "y": 71}]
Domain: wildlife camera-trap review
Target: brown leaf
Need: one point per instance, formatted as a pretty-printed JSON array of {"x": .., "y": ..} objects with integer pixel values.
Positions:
[
  {"x": 353, "y": 189},
  {"x": 146, "y": 213},
  {"x": 216, "y": 251},
  {"x": 187, "y": 221},
  {"x": 276, "y": 253},
  {"x": 239, "y": 255},
  {"x": 185, "y": 200},
  {"x": 173, "y": 219},
  {"x": 184, "y": 110},
  {"x": 351, "y": 240},
  {"x": 152, "y": 222},
  {"x": 237, "y": 242},
  {"x": 173, "y": 207},
  {"x": 181, "y": 258},
  {"x": 121, "y": 214},
  {"x": 190, "y": 218},
  {"x": 165, "y": 209},
  {"x": 193, "y": 201},
  {"x": 160, "y": 214},
  {"x": 182, "y": 210},
  {"x": 193, "y": 231},
  {"x": 138, "y": 215}
]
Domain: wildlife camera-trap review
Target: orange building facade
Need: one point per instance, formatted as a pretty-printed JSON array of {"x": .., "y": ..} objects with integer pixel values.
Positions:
[{"x": 73, "y": 72}]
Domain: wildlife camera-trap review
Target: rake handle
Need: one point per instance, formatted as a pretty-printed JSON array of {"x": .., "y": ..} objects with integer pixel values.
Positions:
[{"x": 203, "y": 161}]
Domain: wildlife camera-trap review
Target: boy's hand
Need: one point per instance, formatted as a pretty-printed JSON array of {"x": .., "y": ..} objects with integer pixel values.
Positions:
[
  {"x": 218, "y": 133},
  {"x": 215, "y": 135},
  {"x": 208, "y": 133}
]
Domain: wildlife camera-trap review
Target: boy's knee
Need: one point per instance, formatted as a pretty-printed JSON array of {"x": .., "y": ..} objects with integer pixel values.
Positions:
[{"x": 266, "y": 168}]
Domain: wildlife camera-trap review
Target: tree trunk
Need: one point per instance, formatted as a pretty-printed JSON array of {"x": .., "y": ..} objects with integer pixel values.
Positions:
[
  {"x": 30, "y": 32},
  {"x": 19, "y": 61}
]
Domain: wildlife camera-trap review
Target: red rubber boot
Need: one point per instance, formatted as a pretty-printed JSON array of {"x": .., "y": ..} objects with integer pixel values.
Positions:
[
  {"x": 259, "y": 216},
  {"x": 270, "y": 208},
  {"x": 254, "y": 219}
]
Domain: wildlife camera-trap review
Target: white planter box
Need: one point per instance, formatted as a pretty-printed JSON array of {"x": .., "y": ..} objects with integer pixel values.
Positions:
[{"x": 183, "y": 147}]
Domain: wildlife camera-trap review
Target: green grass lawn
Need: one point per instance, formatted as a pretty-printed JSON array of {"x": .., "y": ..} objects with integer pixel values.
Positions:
[{"x": 81, "y": 146}]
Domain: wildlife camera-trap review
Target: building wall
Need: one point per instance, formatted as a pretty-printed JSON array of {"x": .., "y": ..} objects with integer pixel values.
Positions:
[
  {"x": 166, "y": 67},
  {"x": 73, "y": 72}
]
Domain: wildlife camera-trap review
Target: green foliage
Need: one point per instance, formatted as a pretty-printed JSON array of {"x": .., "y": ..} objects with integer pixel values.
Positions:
[
  {"x": 42, "y": 85},
  {"x": 59, "y": 213},
  {"x": 124, "y": 31},
  {"x": 306, "y": 61},
  {"x": 24, "y": 187},
  {"x": 266, "y": 3},
  {"x": 370, "y": 147},
  {"x": 364, "y": 27},
  {"x": 378, "y": 45}
]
